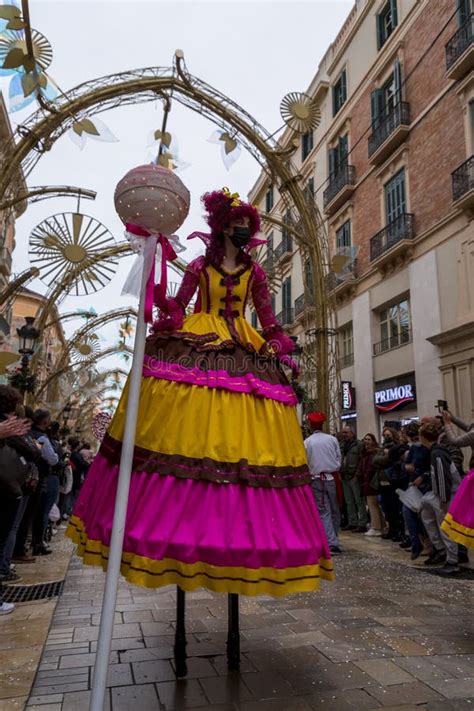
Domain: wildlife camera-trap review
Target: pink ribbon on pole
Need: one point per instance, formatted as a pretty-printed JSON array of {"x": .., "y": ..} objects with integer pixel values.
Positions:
[{"x": 155, "y": 293}]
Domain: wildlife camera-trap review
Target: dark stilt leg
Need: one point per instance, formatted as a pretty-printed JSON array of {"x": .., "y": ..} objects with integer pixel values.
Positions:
[
  {"x": 180, "y": 636},
  {"x": 233, "y": 635}
]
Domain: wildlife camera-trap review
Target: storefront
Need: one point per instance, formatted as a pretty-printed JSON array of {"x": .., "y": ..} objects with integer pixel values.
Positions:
[
  {"x": 395, "y": 401},
  {"x": 348, "y": 405}
]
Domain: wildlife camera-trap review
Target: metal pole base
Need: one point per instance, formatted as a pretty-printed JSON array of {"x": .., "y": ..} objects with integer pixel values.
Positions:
[
  {"x": 233, "y": 634},
  {"x": 181, "y": 668}
]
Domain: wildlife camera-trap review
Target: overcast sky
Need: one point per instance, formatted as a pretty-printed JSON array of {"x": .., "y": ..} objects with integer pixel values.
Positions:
[{"x": 254, "y": 52}]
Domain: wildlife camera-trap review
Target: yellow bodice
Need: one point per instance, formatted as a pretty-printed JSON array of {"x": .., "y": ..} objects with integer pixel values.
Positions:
[{"x": 224, "y": 293}]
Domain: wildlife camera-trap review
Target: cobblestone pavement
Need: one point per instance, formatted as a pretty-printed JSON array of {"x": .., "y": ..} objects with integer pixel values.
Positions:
[{"x": 382, "y": 636}]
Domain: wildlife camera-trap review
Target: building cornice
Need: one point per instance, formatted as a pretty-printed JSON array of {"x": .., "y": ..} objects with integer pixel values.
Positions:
[{"x": 458, "y": 333}]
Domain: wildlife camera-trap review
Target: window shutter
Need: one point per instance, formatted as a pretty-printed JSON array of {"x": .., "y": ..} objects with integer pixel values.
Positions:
[
  {"x": 379, "y": 27},
  {"x": 343, "y": 86},
  {"x": 394, "y": 11},
  {"x": 464, "y": 11},
  {"x": 332, "y": 162},
  {"x": 334, "y": 104},
  {"x": 343, "y": 150},
  {"x": 397, "y": 81},
  {"x": 377, "y": 107}
]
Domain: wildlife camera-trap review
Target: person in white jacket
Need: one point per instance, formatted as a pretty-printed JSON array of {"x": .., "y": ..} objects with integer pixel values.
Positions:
[{"x": 324, "y": 461}]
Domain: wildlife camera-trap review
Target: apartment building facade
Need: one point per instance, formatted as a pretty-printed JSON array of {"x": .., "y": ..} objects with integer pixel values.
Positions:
[{"x": 391, "y": 167}]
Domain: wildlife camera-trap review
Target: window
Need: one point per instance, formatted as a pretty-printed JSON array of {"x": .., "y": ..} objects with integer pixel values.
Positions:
[
  {"x": 269, "y": 199},
  {"x": 464, "y": 11},
  {"x": 308, "y": 276},
  {"x": 338, "y": 156},
  {"x": 471, "y": 124},
  {"x": 346, "y": 346},
  {"x": 286, "y": 294},
  {"x": 343, "y": 235},
  {"x": 270, "y": 244},
  {"x": 387, "y": 20},
  {"x": 287, "y": 240},
  {"x": 339, "y": 93},
  {"x": 254, "y": 319},
  {"x": 273, "y": 303},
  {"x": 385, "y": 100},
  {"x": 395, "y": 197},
  {"x": 310, "y": 187},
  {"x": 394, "y": 326},
  {"x": 306, "y": 144}
]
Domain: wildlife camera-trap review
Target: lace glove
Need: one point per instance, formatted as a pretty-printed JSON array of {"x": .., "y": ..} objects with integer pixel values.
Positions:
[
  {"x": 262, "y": 300},
  {"x": 172, "y": 315}
]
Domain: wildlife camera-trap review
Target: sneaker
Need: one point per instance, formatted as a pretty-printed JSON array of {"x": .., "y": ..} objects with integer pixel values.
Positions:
[
  {"x": 24, "y": 558},
  {"x": 463, "y": 558},
  {"x": 41, "y": 550},
  {"x": 335, "y": 550},
  {"x": 436, "y": 558},
  {"x": 415, "y": 554},
  {"x": 449, "y": 569},
  {"x": 12, "y": 577},
  {"x": 6, "y": 608},
  {"x": 405, "y": 544},
  {"x": 373, "y": 532}
]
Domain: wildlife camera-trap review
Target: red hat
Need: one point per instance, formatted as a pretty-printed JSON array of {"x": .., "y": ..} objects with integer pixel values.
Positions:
[{"x": 316, "y": 418}]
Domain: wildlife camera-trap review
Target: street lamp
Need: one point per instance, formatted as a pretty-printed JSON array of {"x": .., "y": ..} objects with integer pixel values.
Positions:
[{"x": 28, "y": 336}]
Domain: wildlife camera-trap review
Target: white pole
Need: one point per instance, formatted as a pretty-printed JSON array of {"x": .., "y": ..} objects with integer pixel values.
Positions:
[{"x": 118, "y": 529}]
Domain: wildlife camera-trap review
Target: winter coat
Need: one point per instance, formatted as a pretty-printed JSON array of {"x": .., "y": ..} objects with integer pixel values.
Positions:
[
  {"x": 444, "y": 475},
  {"x": 351, "y": 453},
  {"x": 366, "y": 472}
]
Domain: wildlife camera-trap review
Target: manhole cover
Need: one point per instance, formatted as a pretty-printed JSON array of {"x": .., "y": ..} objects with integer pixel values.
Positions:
[{"x": 27, "y": 593}]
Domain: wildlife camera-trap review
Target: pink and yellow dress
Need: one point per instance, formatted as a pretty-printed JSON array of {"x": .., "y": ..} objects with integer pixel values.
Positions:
[
  {"x": 220, "y": 493},
  {"x": 459, "y": 521}
]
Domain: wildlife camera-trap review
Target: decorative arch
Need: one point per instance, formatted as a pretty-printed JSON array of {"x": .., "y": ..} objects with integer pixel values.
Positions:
[{"x": 39, "y": 133}]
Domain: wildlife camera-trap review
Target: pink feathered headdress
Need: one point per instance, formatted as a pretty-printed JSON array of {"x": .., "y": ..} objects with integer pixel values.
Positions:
[{"x": 223, "y": 207}]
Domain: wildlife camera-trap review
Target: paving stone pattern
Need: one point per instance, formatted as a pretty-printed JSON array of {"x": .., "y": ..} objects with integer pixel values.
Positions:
[{"x": 382, "y": 636}]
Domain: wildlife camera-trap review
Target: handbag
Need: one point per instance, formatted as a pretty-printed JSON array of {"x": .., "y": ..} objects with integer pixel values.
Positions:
[
  {"x": 411, "y": 498},
  {"x": 14, "y": 471}
]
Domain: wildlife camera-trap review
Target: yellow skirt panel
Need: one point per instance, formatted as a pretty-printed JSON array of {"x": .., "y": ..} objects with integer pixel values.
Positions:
[
  {"x": 457, "y": 532},
  {"x": 243, "y": 581},
  {"x": 198, "y": 422}
]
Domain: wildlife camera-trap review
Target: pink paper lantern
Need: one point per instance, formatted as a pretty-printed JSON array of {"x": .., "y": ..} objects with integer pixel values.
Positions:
[{"x": 152, "y": 197}]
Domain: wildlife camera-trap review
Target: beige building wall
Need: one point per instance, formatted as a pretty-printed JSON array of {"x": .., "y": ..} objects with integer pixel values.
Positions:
[{"x": 433, "y": 267}]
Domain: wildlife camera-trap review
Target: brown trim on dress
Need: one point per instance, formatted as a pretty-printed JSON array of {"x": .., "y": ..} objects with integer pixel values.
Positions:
[{"x": 208, "y": 469}]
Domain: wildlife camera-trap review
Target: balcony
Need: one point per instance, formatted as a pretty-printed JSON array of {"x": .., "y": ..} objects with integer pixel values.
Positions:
[
  {"x": 302, "y": 306},
  {"x": 346, "y": 361},
  {"x": 5, "y": 261},
  {"x": 284, "y": 250},
  {"x": 460, "y": 51},
  {"x": 339, "y": 189},
  {"x": 389, "y": 132},
  {"x": 286, "y": 317},
  {"x": 269, "y": 262},
  {"x": 343, "y": 285},
  {"x": 394, "y": 242},
  {"x": 463, "y": 185},
  {"x": 395, "y": 341}
]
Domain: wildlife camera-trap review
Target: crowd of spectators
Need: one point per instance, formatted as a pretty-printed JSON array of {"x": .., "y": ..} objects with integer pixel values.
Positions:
[
  {"x": 398, "y": 489},
  {"x": 41, "y": 473}
]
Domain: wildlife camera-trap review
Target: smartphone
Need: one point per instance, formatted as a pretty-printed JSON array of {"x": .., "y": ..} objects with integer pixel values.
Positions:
[{"x": 442, "y": 405}]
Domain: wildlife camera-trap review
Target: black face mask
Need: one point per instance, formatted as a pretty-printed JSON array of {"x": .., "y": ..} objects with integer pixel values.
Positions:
[{"x": 240, "y": 236}]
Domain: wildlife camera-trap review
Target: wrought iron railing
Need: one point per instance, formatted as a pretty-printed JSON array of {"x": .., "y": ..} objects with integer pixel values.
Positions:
[
  {"x": 346, "y": 360},
  {"x": 463, "y": 179},
  {"x": 286, "y": 316},
  {"x": 5, "y": 259},
  {"x": 459, "y": 42},
  {"x": 344, "y": 176},
  {"x": 299, "y": 305},
  {"x": 395, "y": 341},
  {"x": 403, "y": 227},
  {"x": 334, "y": 279},
  {"x": 385, "y": 125},
  {"x": 285, "y": 247}
]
